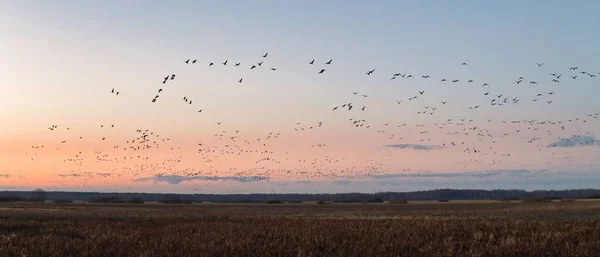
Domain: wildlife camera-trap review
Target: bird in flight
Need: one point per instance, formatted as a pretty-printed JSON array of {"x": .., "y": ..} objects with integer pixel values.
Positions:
[
  {"x": 322, "y": 70},
  {"x": 265, "y": 56},
  {"x": 539, "y": 64},
  {"x": 225, "y": 63},
  {"x": 370, "y": 72},
  {"x": 312, "y": 62},
  {"x": 240, "y": 81},
  {"x": 329, "y": 62}
]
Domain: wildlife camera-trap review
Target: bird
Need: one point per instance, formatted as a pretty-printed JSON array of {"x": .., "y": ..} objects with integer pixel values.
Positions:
[
  {"x": 370, "y": 72},
  {"x": 265, "y": 56},
  {"x": 188, "y": 61},
  {"x": 260, "y": 63},
  {"x": 329, "y": 62},
  {"x": 225, "y": 62},
  {"x": 237, "y": 64},
  {"x": 240, "y": 81},
  {"x": 464, "y": 64},
  {"x": 539, "y": 64},
  {"x": 312, "y": 62},
  {"x": 322, "y": 70}
]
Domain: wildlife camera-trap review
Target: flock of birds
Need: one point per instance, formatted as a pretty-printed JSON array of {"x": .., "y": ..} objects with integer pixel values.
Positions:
[{"x": 478, "y": 140}]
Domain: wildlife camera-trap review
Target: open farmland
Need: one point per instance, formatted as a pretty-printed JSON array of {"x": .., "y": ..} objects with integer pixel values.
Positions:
[{"x": 425, "y": 229}]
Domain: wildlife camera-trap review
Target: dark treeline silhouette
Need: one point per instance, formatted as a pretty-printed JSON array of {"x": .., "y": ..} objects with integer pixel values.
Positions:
[{"x": 439, "y": 194}]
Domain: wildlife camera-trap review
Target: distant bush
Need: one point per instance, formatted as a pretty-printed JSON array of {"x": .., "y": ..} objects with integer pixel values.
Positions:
[
  {"x": 350, "y": 201},
  {"x": 11, "y": 198},
  {"x": 38, "y": 195},
  {"x": 111, "y": 199},
  {"x": 275, "y": 202},
  {"x": 136, "y": 200},
  {"x": 397, "y": 201},
  {"x": 323, "y": 202},
  {"x": 62, "y": 201},
  {"x": 294, "y": 201},
  {"x": 176, "y": 201},
  {"x": 376, "y": 200},
  {"x": 537, "y": 200},
  {"x": 443, "y": 201}
]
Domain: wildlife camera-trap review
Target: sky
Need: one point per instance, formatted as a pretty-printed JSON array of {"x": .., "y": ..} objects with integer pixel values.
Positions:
[{"x": 61, "y": 60}]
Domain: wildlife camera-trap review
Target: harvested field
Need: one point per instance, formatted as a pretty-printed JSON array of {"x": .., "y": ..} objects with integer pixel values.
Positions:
[{"x": 459, "y": 229}]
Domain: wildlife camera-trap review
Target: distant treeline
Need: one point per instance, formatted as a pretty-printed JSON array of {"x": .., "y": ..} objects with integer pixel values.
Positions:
[{"x": 440, "y": 194}]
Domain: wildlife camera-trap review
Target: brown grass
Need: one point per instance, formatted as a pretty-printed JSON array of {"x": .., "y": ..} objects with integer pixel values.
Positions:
[{"x": 498, "y": 229}]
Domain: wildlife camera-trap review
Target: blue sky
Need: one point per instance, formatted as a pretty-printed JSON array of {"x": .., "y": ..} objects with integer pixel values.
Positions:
[{"x": 65, "y": 56}]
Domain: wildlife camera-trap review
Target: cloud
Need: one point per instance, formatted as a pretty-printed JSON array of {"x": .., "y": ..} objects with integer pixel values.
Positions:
[
  {"x": 489, "y": 173},
  {"x": 576, "y": 141},
  {"x": 69, "y": 175},
  {"x": 388, "y": 183},
  {"x": 303, "y": 182},
  {"x": 415, "y": 146},
  {"x": 4, "y": 176},
  {"x": 175, "y": 179},
  {"x": 342, "y": 182}
]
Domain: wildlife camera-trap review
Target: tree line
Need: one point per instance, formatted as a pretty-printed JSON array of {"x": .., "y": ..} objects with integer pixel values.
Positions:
[{"x": 439, "y": 194}]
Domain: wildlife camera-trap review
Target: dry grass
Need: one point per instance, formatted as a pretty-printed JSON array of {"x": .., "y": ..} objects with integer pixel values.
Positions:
[{"x": 459, "y": 229}]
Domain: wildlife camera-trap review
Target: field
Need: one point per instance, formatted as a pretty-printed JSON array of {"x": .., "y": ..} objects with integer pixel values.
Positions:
[{"x": 424, "y": 229}]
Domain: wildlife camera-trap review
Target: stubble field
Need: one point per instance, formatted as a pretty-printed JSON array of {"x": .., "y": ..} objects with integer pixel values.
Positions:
[{"x": 424, "y": 229}]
